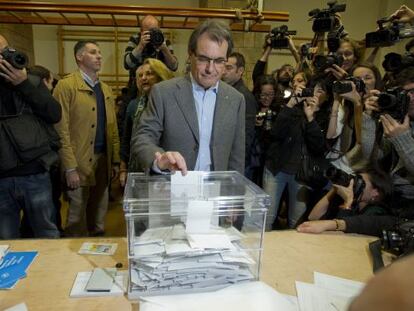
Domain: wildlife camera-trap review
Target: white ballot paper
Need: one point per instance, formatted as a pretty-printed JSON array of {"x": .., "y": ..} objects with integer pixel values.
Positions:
[
  {"x": 184, "y": 188},
  {"x": 241, "y": 297},
  {"x": 314, "y": 298},
  {"x": 345, "y": 286},
  {"x": 183, "y": 263},
  {"x": 199, "y": 216}
]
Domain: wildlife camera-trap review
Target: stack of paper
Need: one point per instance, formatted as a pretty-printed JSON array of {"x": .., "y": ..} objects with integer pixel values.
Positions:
[
  {"x": 329, "y": 293},
  {"x": 13, "y": 267},
  {"x": 241, "y": 297},
  {"x": 169, "y": 260}
]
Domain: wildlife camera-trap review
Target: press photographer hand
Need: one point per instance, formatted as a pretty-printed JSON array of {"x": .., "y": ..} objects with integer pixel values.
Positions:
[
  {"x": 11, "y": 74},
  {"x": 145, "y": 39},
  {"x": 404, "y": 14},
  {"x": 310, "y": 107},
  {"x": 346, "y": 193},
  {"x": 337, "y": 72},
  {"x": 353, "y": 95},
  {"x": 392, "y": 127},
  {"x": 371, "y": 102}
]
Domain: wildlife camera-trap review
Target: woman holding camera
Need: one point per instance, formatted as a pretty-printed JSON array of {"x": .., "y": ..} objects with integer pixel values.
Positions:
[
  {"x": 367, "y": 193},
  {"x": 345, "y": 123},
  {"x": 264, "y": 92},
  {"x": 294, "y": 127}
]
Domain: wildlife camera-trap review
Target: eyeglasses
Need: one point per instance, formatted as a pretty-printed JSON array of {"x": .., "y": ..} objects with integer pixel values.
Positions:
[
  {"x": 204, "y": 61},
  {"x": 267, "y": 95}
]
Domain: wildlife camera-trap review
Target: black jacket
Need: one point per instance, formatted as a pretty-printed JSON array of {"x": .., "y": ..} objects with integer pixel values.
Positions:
[
  {"x": 251, "y": 109},
  {"x": 27, "y": 138},
  {"x": 289, "y": 131}
]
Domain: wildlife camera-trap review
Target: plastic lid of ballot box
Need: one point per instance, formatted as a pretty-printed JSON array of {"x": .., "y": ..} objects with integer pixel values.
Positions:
[{"x": 193, "y": 234}]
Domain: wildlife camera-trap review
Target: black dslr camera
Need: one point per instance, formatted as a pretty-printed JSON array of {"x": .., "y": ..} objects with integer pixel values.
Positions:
[
  {"x": 324, "y": 20},
  {"x": 394, "y": 102},
  {"x": 156, "y": 37},
  {"x": 399, "y": 241},
  {"x": 322, "y": 62},
  {"x": 278, "y": 37},
  {"x": 307, "y": 92},
  {"x": 345, "y": 86},
  {"x": 394, "y": 62},
  {"x": 18, "y": 60},
  {"x": 339, "y": 177}
]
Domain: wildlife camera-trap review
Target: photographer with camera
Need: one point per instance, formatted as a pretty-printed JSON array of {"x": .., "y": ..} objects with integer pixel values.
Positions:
[
  {"x": 346, "y": 115},
  {"x": 295, "y": 127},
  {"x": 366, "y": 193},
  {"x": 149, "y": 43},
  {"x": 392, "y": 144},
  {"x": 278, "y": 38},
  {"x": 264, "y": 92},
  {"x": 27, "y": 112}
]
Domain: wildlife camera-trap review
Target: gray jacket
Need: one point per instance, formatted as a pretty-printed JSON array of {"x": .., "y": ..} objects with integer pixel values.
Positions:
[{"x": 169, "y": 123}]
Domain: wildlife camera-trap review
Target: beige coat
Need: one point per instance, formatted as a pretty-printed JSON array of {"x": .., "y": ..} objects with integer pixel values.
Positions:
[{"x": 77, "y": 127}]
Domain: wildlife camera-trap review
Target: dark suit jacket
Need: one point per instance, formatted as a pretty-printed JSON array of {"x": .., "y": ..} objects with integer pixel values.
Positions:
[
  {"x": 251, "y": 110},
  {"x": 169, "y": 123}
]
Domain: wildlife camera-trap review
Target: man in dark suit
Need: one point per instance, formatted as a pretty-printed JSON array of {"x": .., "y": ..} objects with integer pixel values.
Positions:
[
  {"x": 233, "y": 74},
  {"x": 195, "y": 122}
]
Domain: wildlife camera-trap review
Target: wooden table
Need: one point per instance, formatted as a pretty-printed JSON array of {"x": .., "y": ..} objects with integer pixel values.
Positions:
[{"x": 288, "y": 256}]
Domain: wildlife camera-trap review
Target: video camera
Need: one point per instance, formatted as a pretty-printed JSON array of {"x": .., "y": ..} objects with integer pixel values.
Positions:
[
  {"x": 18, "y": 60},
  {"x": 322, "y": 62},
  {"x": 345, "y": 86},
  {"x": 278, "y": 38},
  {"x": 399, "y": 241},
  {"x": 394, "y": 102},
  {"x": 394, "y": 62},
  {"x": 339, "y": 177},
  {"x": 324, "y": 20},
  {"x": 156, "y": 37},
  {"x": 385, "y": 35}
]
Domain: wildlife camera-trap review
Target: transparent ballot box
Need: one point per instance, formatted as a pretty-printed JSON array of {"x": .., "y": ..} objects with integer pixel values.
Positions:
[{"x": 196, "y": 233}]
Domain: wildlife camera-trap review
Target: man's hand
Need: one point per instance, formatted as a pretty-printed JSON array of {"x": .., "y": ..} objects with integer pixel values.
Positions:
[
  {"x": 171, "y": 160},
  {"x": 145, "y": 39},
  {"x": 337, "y": 71},
  {"x": 392, "y": 127},
  {"x": 11, "y": 74},
  {"x": 73, "y": 179},
  {"x": 316, "y": 226},
  {"x": 346, "y": 193},
  {"x": 123, "y": 178},
  {"x": 403, "y": 15}
]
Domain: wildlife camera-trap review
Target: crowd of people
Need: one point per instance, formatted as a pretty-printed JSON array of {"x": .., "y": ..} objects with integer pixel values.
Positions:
[{"x": 336, "y": 110}]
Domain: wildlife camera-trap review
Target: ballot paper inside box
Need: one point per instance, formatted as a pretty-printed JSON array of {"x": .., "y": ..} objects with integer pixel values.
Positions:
[{"x": 196, "y": 233}]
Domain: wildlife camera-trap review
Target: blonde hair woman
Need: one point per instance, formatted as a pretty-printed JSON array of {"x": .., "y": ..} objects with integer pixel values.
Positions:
[{"x": 149, "y": 73}]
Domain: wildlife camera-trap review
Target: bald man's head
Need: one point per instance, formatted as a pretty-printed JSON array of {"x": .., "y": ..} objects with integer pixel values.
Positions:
[
  {"x": 149, "y": 22},
  {"x": 3, "y": 42}
]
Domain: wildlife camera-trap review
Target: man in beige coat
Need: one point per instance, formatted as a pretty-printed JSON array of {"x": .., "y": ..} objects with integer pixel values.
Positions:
[{"x": 90, "y": 141}]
